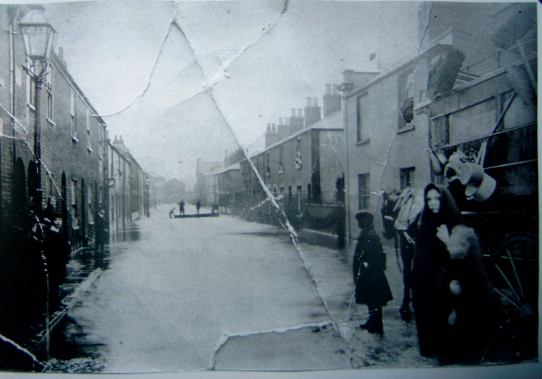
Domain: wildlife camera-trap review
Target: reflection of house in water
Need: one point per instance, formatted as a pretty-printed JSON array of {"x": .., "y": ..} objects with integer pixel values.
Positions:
[{"x": 472, "y": 58}]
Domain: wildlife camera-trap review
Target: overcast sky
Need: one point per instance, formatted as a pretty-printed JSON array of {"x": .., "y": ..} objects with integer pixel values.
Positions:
[{"x": 189, "y": 80}]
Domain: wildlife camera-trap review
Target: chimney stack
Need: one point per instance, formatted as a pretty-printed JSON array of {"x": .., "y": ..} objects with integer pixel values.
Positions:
[
  {"x": 282, "y": 129},
  {"x": 312, "y": 111},
  {"x": 271, "y": 136},
  {"x": 332, "y": 100},
  {"x": 296, "y": 121}
]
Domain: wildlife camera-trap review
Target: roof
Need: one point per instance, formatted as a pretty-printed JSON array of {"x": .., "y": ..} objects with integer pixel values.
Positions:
[{"x": 333, "y": 122}]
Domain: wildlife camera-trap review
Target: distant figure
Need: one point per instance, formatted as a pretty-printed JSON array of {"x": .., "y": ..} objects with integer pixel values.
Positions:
[
  {"x": 181, "y": 207},
  {"x": 214, "y": 209},
  {"x": 100, "y": 232},
  {"x": 198, "y": 205},
  {"x": 172, "y": 212}
]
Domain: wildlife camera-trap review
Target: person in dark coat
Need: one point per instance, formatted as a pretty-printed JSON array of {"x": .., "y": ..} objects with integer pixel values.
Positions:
[
  {"x": 101, "y": 237},
  {"x": 469, "y": 305},
  {"x": 57, "y": 252},
  {"x": 369, "y": 263},
  {"x": 439, "y": 215},
  {"x": 198, "y": 205},
  {"x": 100, "y": 230},
  {"x": 181, "y": 207}
]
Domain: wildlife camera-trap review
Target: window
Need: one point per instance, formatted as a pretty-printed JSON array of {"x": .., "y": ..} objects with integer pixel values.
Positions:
[
  {"x": 72, "y": 116},
  {"x": 406, "y": 177},
  {"x": 101, "y": 133},
  {"x": 89, "y": 137},
  {"x": 50, "y": 93},
  {"x": 298, "y": 162},
  {"x": 281, "y": 160},
  {"x": 363, "y": 191},
  {"x": 49, "y": 104},
  {"x": 51, "y": 187},
  {"x": 360, "y": 116},
  {"x": 405, "y": 101}
]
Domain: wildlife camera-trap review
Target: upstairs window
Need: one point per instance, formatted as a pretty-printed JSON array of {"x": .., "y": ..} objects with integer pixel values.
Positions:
[
  {"x": 50, "y": 108},
  {"x": 73, "y": 120},
  {"x": 89, "y": 137}
]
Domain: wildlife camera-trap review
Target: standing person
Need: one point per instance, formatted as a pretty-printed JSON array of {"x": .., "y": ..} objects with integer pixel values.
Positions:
[
  {"x": 439, "y": 213},
  {"x": 198, "y": 205},
  {"x": 181, "y": 207},
  {"x": 100, "y": 237},
  {"x": 57, "y": 252},
  {"x": 369, "y": 263}
]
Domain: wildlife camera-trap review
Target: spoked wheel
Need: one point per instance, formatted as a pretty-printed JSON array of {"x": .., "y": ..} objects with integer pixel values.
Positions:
[{"x": 513, "y": 273}]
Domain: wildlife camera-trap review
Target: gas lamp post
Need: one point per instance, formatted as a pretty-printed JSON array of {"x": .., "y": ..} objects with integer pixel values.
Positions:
[{"x": 39, "y": 38}]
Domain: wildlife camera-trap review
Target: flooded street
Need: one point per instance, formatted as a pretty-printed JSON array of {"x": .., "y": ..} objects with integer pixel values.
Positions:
[{"x": 176, "y": 289}]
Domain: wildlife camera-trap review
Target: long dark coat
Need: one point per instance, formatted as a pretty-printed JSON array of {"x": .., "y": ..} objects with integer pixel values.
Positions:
[
  {"x": 372, "y": 287},
  {"x": 430, "y": 265}
]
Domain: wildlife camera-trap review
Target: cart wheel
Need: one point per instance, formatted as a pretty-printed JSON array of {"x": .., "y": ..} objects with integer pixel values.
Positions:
[{"x": 513, "y": 273}]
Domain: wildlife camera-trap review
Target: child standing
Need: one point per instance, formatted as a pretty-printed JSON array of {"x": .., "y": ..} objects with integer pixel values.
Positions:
[{"x": 369, "y": 263}]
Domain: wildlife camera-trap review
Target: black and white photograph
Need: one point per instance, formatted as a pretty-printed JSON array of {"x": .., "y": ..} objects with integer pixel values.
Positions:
[{"x": 269, "y": 187}]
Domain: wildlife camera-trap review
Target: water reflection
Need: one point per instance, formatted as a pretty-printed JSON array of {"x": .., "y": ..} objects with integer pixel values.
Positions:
[{"x": 72, "y": 350}]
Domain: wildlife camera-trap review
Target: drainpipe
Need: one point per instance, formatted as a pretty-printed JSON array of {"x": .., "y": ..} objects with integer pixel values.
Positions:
[{"x": 346, "y": 169}]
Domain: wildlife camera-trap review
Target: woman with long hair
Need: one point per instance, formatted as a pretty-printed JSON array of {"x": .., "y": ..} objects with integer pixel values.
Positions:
[{"x": 438, "y": 217}]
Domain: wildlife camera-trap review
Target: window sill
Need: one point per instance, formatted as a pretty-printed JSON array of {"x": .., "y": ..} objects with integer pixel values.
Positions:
[
  {"x": 74, "y": 139},
  {"x": 32, "y": 107},
  {"x": 51, "y": 122},
  {"x": 362, "y": 142},
  {"x": 406, "y": 129},
  {"x": 89, "y": 149}
]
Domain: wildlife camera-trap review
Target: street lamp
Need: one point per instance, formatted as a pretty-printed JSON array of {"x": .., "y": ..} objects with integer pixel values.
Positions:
[{"x": 39, "y": 38}]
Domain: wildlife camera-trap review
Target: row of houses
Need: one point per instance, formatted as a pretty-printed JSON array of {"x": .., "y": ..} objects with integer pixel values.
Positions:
[
  {"x": 473, "y": 76},
  {"x": 55, "y": 158}
]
